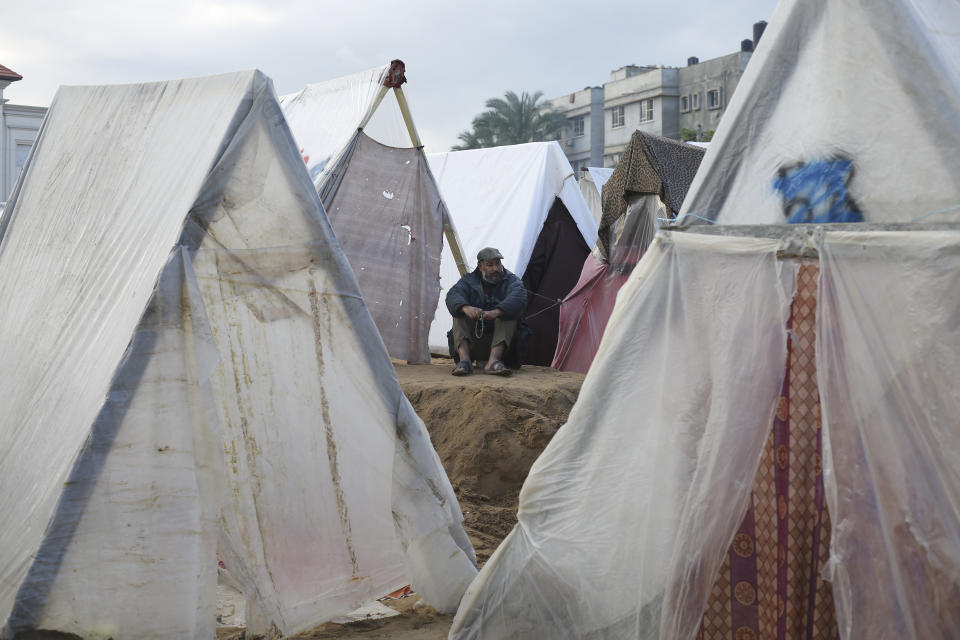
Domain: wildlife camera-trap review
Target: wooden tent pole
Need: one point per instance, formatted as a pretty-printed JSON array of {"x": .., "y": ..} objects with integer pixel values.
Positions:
[
  {"x": 407, "y": 118},
  {"x": 373, "y": 107},
  {"x": 395, "y": 77},
  {"x": 453, "y": 241}
]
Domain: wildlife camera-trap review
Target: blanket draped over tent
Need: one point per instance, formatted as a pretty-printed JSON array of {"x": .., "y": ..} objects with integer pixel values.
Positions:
[
  {"x": 381, "y": 198},
  {"x": 196, "y": 375},
  {"x": 700, "y": 412}
]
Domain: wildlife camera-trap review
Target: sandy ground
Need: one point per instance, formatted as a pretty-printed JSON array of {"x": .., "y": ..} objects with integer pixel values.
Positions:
[{"x": 488, "y": 430}]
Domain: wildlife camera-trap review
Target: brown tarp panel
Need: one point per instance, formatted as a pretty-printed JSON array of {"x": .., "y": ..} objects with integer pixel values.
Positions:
[
  {"x": 386, "y": 211},
  {"x": 552, "y": 272}
]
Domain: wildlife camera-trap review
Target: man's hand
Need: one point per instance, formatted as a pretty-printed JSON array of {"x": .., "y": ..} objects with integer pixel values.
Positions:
[
  {"x": 493, "y": 314},
  {"x": 472, "y": 312}
]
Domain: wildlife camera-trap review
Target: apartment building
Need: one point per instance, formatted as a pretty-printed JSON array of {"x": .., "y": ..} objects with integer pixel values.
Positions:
[{"x": 655, "y": 99}]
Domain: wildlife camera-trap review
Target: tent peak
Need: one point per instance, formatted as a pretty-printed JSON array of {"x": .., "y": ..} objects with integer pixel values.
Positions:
[{"x": 395, "y": 74}]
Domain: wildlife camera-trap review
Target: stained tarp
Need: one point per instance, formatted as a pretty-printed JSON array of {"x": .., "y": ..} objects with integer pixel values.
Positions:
[
  {"x": 849, "y": 110},
  {"x": 196, "y": 374},
  {"x": 381, "y": 199},
  {"x": 502, "y": 197},
  {"x": 388, "y": 216},
  {"x": 628, "y": 515}
]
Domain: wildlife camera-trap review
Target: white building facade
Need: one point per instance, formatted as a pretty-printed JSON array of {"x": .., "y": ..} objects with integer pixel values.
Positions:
[{"x": 19, "y": 126}]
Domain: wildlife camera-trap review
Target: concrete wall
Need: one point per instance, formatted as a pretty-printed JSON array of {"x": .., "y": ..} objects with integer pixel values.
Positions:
[
  {"x": 719, "y": 74},
  {"x": 632, "y": 93},
  {"x": 584, "y": 149}
]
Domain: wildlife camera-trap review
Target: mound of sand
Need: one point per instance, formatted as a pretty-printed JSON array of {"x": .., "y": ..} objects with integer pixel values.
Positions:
[{"x": 488, "y": 430}]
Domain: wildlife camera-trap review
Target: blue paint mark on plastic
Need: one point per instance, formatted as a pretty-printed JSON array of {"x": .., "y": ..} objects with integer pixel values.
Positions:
[{"x": 816, "y": 192}]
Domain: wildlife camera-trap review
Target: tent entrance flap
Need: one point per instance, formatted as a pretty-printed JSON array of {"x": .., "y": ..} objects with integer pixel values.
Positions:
[{"x": 551, "y": 273}]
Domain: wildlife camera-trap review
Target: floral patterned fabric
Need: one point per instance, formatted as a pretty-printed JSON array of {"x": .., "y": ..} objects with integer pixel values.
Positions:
[{"x": 769, "y": 585}]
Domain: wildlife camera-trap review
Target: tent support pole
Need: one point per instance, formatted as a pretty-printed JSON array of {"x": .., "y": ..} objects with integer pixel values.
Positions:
[
  {"x": 449, "y": 231},
  {"x": 373, "y": 107},
  {"x": 407, "y": 118},
  {"x": 453, "y": 241}
]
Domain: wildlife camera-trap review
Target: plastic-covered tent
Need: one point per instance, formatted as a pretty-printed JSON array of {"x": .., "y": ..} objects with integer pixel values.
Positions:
[
  {"x": 591, "y": 186},
  {"x": 837, "y": 101},
  {"x": 650, "y": 182},
  {"x": 190, "y": 371},
  {"x": 369, "y": 167},
  {"x": 524, "y": 200},
  {"x": 761, "y": 449}
]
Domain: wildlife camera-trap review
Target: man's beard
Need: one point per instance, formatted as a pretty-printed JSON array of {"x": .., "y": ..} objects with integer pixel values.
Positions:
[{"x": 493, "y": 278}]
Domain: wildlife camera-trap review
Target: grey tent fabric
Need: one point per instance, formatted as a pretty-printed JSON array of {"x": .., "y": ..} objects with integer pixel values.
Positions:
[{"x": 387, "y": 213}]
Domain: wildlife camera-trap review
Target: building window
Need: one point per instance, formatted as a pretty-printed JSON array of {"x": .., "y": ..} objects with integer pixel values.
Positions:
[
  {"x": 616, "y": 117},
  {"x": 578, "y": 127},
  {"x": 696, "y": 101},
  {"x": 684, "y": 103},
  {"x": 713, "y": 99},
  {"x": 646, "y": 110}
]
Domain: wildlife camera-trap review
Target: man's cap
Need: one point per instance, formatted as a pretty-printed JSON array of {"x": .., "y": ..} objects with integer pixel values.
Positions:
[{"x": 489, "y": 253}]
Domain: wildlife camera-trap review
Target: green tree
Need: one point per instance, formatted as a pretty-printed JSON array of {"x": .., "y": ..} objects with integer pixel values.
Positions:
[
  {"x": 689, "y": 135},
  {"x": 513, "y": 119}
]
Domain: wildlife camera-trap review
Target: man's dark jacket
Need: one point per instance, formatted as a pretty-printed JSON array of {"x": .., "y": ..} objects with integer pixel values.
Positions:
[{"x": 509, "y": 294}]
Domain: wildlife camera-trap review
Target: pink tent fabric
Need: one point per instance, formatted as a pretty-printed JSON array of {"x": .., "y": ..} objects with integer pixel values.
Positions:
[{"x": 584, "y": 314}]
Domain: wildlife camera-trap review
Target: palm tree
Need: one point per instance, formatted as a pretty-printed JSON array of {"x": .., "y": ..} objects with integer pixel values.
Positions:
[{"x": 513, "y": 120}]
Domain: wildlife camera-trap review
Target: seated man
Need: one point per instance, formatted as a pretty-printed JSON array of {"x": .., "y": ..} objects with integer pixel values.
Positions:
[{"x": 486, "y": 305}]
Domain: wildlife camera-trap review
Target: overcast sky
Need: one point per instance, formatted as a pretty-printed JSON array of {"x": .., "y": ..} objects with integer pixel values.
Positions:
[{"x": 457, "y": 55}]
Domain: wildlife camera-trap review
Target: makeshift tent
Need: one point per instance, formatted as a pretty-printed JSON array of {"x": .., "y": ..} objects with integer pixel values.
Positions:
[
  {"x": 382, "y": 201},
  {"x": 522, "y": 199},
  {"x": 761, "y": 449},
  {"x": 591, "y": 185},
  {"x": 848, "y": 111},
  {"x": 650, "y": 182},
  {"x": 190, "y": 372}
]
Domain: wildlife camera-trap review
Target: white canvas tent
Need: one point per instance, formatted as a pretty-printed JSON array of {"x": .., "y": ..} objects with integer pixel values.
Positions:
[
  {"x": 667, "y": 475},
  {"x": 848, "y": 111},
  {"x": 502, "y": 197},
  {"x": 190, "y": 371},
  {"x": 372, "y": 175}
]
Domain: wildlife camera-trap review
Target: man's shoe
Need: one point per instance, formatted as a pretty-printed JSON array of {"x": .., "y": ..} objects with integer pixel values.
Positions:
[{"x": 463, "y": 368}]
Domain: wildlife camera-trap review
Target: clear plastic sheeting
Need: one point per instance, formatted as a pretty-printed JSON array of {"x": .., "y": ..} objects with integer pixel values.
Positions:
[
  {"x": 197, "y": 375},
  {"x": 620, "y": 532},
  {"x": 501, "y": 197},
  {"x": 807, "y": 136},
  {"x": 325, "y": 116},
  {"x": 888, "y": 352},
  {"x": 591, "y": 185}
]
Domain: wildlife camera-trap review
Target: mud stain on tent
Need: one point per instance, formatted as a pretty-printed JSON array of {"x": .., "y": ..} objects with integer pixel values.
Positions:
[
  {"x": 402, "y": 436},
  {"x": 342, "y": 510}
]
